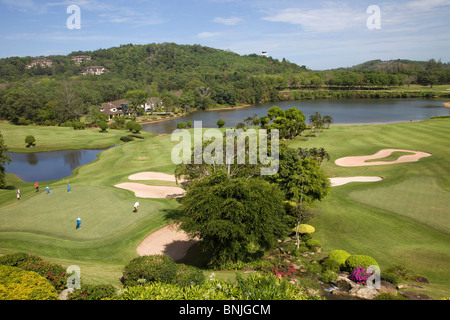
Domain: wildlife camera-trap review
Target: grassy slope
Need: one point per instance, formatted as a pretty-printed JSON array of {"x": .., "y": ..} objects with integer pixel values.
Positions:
[
  {"x": 402, "y": 220},
  {"x": 45, "y": 224}
]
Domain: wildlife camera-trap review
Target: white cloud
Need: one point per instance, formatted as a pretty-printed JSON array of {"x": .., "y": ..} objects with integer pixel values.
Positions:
[
  {"x": 325, "y": 19},
  {"x": 227, "y": 21},
  {"x": 207, "y": 34}
]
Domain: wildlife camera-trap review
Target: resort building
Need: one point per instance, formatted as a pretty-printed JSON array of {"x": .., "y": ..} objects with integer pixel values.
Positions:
[
  {"x": 80, "y": 59},
  {"x": 44, "y": 63},
  {"x": 95, "y": 70},
  {"x": 115, "y": 108}
]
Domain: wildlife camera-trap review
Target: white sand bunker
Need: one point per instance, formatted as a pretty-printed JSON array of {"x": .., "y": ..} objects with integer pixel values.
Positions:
[
  {"x": 344, "y": 180},
  {"x": 167, "y": 240},
  {"x": 152, "y": 176},
  {"x": 357, "y": 161},
  {"x": 144, "y": 191}
]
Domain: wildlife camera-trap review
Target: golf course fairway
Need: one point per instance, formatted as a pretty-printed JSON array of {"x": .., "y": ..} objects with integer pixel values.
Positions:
[{"x": 402, "y": 219}]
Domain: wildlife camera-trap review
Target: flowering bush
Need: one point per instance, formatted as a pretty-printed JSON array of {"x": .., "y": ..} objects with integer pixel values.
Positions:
[
  {"x": 360, "y": 275},
  {"x": 53, "y": 272},
  {"x": 93, "y": 292},
  {"x": 18, "y": 284},
  {"x": 279, "y": 268}
]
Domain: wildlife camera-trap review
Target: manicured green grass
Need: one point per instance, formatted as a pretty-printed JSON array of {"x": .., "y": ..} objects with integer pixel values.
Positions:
[
  {"x": 402, "y": 220},
  {"x": 60, "y": 138}
]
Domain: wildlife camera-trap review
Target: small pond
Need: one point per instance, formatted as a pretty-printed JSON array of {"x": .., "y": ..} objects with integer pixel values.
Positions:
[{"x": 46, "y": 166}]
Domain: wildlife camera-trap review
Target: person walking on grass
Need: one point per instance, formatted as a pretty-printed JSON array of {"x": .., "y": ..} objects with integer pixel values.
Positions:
[
  {"x": 68, "y": 186},
  {"x": 78, "y": 223},
  {"x": 36, "y": 185},
  {"x": 18, "y": 194},
  {"x": 136, "y": 205},
  {"x": 47, "y": 189}
]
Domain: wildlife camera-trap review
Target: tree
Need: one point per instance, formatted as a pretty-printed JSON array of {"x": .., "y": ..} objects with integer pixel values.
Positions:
[
  {"x": 328, "y": 120},
  {"x": 137, "y": 127},
  {"x": 103, "y": 126},
  {"x": 4, "y": 160},
  {"x": 29, "y": 140},
  {"x": 300, "y": 179},
  {"x": 232, "y": 215},
  {"x": 318, "y": 154},
  {"x": 220, "y": 123},
  {"x": 291, "y": 124},
  {"x": 181, "y": 125},
  {"x": 136, "y": 99},
  {"x": 68, "y": 105}
]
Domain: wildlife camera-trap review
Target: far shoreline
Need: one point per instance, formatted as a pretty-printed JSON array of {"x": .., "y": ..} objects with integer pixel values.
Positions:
[{"x": 446, "y": 104}]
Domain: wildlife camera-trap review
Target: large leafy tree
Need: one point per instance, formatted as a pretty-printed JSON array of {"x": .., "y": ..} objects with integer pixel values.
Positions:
[
  {"x": 233, "y": 217},
  {"x": 136, "y": 99},
  {"x": 4, "y": 160}
]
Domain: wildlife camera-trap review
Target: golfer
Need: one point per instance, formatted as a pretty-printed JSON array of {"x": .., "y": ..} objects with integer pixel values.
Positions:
[
  {"x": 18, "y": 194},
  {"x": 136, "y": 205},
  {"x": 48, "y": 189},
  {"x": 36, "y": 185},
  {"x": 78, "y": 223},
  {"x": 68, "y": 186}
]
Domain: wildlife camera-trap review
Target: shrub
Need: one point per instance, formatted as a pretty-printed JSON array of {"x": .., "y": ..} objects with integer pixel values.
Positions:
[
  {"x": 18, "y": 284},
  {"x": 14, "y": 259},
  {"x": 130, "y": 125},
  {"x": 137, "y": 128},
  {"x": 189, "y": 124},
  {"x": 311, "y": 243},
  {"x": 279, "y": 268},
  {"x": 30, "y": 140},
  {"x": 359, "y": 275},
  {"x": 332, "y": 265},
  {"x": 23, "y": 122},
  {"x": 355, "y": 261},
  {"x": 188, "y": 275},
  {"x": 181, "y": 125},
  {"x": 103, "y": 126},
  {"x": 390, "y": 277},
  {"x": 340, "y": 256},
  {"x": 78, "y": 125},
  {"x": 328, "y": 276},
  {"x": 304, "y": 228},
  {"x": 93, "y": 292},
  {"x": 220, "y": 123},
  {"x": 126, "y": 138},
  {"x": 145, "y": 269},
  {"x": 54, "y": 273}
]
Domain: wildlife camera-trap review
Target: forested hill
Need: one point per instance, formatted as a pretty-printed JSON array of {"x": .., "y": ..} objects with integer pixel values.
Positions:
[
  {"x": 54, "y": 88},
  {"x": 154, "y": 62}
]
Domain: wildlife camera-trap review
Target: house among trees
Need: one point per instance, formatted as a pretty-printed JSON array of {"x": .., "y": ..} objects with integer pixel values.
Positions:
[
  {"x": 80, "y": 59},
  {"x": 42, "y": 62},
  {"x": 95, "y": 70},
  {"x": 115, "y": 108}
]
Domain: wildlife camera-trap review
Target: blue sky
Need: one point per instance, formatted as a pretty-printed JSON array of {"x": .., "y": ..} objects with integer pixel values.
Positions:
[{"x": 317, "y": 34}]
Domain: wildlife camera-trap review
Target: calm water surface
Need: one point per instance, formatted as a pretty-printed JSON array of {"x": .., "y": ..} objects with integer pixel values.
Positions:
[
  {"x": 345, "y": 111},
  {"x": 45, "y": 166}
]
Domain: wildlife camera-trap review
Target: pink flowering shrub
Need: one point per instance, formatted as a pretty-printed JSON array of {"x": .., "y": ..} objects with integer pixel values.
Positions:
[
  {"x": 278, "y": 268},
  {"x": 360, "y": 275},
  {"x": 52, "y": 272}
]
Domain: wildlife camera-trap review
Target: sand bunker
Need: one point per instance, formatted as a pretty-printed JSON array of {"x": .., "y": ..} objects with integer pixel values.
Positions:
[
  {"x": 344, "y": 180},
  {"x": 145, "y": 191},
  {"x": 357, "y": 161},
  {"x": 167, "y": 240},
  {"x": 152, "y": 176}
]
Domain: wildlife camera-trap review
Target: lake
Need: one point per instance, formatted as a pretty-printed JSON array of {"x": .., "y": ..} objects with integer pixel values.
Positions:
[
  {"x": 45, "y": 166},
  {"x": 345, "y": 111}
]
